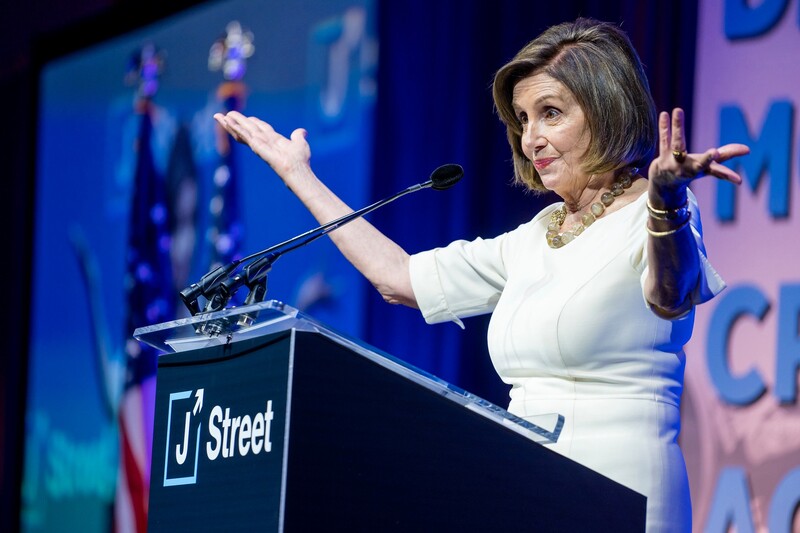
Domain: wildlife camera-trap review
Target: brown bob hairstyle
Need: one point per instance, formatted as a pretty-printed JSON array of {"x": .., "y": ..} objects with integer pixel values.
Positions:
[{"x": 597, "y": 63}]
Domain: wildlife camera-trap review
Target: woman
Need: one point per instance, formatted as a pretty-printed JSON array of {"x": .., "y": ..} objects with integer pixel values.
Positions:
[{"x": 593, "y": 299}]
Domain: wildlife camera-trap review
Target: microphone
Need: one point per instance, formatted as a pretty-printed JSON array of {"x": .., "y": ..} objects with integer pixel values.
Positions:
[
  {"x": 444, "y": 177},
  {"x": 218, "y": 286}
]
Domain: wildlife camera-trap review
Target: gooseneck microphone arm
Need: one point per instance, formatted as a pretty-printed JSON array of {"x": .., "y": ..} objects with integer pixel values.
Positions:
[{"x": 218, "y": 286}]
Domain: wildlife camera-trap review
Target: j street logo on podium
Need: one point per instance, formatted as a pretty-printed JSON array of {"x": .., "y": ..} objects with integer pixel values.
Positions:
[{"x": 227, "y": 436}]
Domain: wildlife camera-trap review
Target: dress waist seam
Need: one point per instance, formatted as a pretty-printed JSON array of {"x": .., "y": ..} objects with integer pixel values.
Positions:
[{"x": 572, "y": 397}]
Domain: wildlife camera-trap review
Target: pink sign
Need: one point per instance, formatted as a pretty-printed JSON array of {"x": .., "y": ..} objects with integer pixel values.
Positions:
[{"x": 741, "y": 434}]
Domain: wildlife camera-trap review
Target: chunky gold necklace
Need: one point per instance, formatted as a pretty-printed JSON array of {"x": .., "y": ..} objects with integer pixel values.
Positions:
[{"x": 557, "y": 239}]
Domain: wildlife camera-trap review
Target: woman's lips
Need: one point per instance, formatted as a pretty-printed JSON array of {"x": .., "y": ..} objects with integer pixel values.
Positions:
[{"x": 542, "y": 163}]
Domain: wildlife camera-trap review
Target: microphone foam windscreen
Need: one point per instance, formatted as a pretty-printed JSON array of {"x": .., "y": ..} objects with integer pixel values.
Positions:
[{"x": 446, "y": 176}]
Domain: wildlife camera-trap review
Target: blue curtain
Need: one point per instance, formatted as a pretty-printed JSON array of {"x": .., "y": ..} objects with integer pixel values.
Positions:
[{"x": 437, "y": 60}]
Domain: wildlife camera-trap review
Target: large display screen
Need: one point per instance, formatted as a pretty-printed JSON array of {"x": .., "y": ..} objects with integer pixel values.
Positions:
[{"x": 308, "y": 64}]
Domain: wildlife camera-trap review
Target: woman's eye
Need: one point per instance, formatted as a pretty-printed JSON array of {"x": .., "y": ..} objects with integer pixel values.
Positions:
[
  {"x": 551, "y": 113},
  {"x": 522, "y": 118}
]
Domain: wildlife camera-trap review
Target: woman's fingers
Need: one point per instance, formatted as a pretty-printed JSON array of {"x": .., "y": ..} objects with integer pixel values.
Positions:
[
  {"x": 247, "y": 130},
  {"x": 678, "y": 135},
  {"x": 672, "y": 141},
  {"x": 709, "y": 161},
  {"x": 732, "y": 150},
  {"x": 232, "y": 126},
  {"x": 299, "y": 135},
  {"x": 663, "y": 133},
  {"x": 723, "y": 172}
]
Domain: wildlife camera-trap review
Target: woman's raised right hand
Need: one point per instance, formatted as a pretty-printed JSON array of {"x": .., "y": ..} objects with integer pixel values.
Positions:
[{"x": 286, "y": 156}]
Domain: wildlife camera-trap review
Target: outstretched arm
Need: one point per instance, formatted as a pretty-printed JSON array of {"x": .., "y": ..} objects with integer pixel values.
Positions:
[
  {"x": 673, "y": 260},
  {"x": 378, "y": 258}
]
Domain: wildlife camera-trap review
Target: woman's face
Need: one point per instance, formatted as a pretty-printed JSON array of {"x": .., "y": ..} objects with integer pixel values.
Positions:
[{"x": 555, "y": 136}]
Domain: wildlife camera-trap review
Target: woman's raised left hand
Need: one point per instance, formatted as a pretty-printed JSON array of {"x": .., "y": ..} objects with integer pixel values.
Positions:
[{"x": 674, "y": 169}]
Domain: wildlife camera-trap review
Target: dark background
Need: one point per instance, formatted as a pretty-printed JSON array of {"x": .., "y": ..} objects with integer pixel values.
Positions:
[{"x": 434, "y": 107}]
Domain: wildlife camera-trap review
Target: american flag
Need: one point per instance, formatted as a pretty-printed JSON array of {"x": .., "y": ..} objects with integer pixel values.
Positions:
[
  {"x": 148, "y": 286},
  {"x": 229, "y": 55},
  {"x": 225, "y": 233}
]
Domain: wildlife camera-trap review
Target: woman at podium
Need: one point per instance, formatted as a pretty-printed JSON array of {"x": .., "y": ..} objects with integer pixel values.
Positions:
[{"x": 593, "y": 299}]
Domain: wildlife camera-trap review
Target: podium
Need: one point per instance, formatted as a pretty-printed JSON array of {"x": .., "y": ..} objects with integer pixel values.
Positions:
[{"x": 267, "y": 420}]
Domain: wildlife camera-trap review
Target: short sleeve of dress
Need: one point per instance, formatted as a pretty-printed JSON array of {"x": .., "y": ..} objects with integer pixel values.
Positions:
[
  {"x": 709, "y": 283},
  {"x": 463, "y": 279}
]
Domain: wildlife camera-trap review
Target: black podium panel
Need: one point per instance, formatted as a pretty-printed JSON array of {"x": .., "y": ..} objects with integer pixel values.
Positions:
[
  {"x": 371, "y": 452},
  {"x": 298, "y": 431}
]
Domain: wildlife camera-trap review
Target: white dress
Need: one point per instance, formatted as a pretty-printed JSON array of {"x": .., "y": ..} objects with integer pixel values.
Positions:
[{"x": 572, "y": 333}]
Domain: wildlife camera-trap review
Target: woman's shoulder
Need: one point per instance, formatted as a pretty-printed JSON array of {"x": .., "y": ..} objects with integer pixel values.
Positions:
[{"x": 535, "y": 225}]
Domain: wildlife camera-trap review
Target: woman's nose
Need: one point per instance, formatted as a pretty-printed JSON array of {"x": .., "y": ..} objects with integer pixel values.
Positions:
[{"x": 532, "y": 140}]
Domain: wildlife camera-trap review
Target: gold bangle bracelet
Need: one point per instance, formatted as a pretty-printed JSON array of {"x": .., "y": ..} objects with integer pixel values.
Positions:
[
  {"x": 654, "y": 233},
  {"x": 668, "y": 214}
]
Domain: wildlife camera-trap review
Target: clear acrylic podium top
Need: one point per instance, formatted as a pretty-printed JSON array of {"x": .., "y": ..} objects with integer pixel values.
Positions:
[{"x": 264, "y": 318}]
